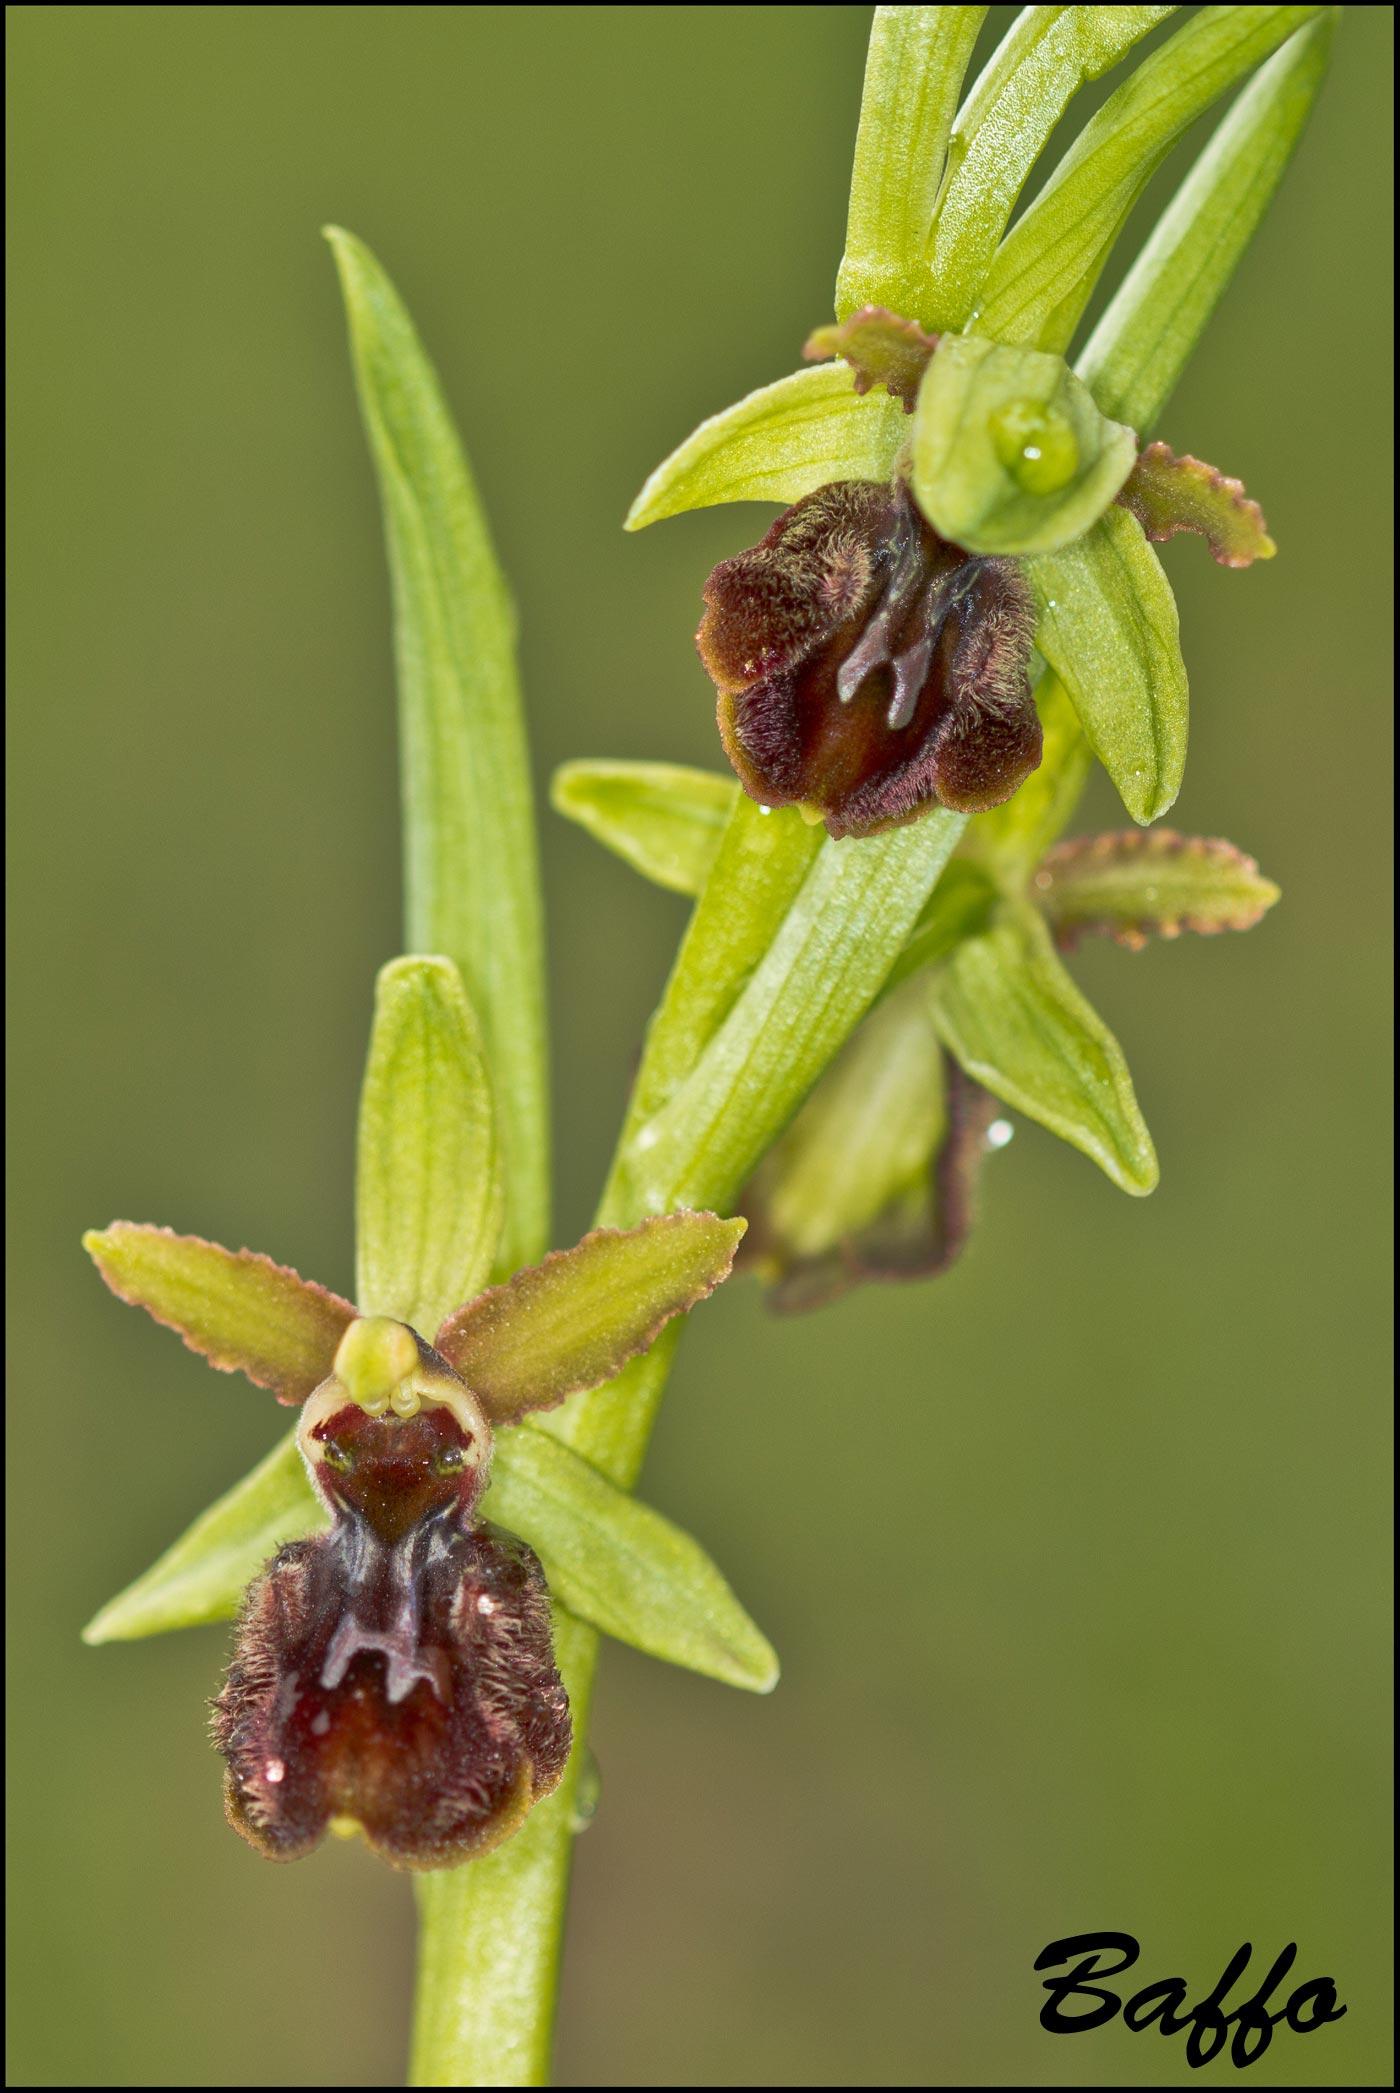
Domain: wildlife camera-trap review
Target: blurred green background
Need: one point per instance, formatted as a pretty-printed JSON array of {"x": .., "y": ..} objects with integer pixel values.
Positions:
[{"x": 1076, "y": 1557}]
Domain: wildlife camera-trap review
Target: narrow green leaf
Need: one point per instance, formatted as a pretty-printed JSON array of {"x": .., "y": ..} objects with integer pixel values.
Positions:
[
  {"x": 665, "y": 819},
  {"x": 471, "y": 886},
  {"x": 1137, "y": 352},
  {"x": 1107, "y": 626},
  {"x": 1009, "y": 1012},
  {"x": 1011, "y": 455},
  {"x": 574, "y": 1321},
  {"x": 759, "y": 869},
  {"x": 1134, "y": 885},
  {"x": 621, "y": 1567},
  {"x": 1047, "y": 266},
  {"x": 236, "y": 1308},
  {"x": 913, "y": 76},
  {"x": 778, "y": 444},
  {"x": 1045, "y": 57},
  {"x": 1011, "y": 839},
  {"x": 203, "y": 1576},
  {"x": 823, "y": 968},
  {"x": 427, "y": 1179}
]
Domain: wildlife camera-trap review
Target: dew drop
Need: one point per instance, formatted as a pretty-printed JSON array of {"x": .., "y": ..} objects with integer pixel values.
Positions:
[
  {"x": 275, "y": 1770},
  {"x": 999, "y": 1133}
]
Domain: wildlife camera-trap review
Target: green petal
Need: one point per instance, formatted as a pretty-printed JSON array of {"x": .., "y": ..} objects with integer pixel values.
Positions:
[
  {"x": 777, "y": 445},
  {"x": 1132, "y": 885},
  {"x": 1046, "y": 55},
  {"x": 427, "y": 1181},
  {"x": 1010, "y": 453},
  {"x": 237, "y": 1308},
  {"x": 471, "y": 886},
  {"x": 204, "y": 1575},
  {"x": 1107, "y": 626},
  {"x": 1046, "y": 268},
  {"x": 623, "y": 1568},
  {"x": 1009, "y": 1012},
  {"x": 574, "y": 1321},
  {"x": 913, "y": 75},
  {"x": 664, "y": 819},
  {"x": 1137, "y": 352}
]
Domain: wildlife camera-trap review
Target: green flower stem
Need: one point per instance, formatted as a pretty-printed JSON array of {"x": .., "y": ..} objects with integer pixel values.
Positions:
[{"x": 812, "y": 954}]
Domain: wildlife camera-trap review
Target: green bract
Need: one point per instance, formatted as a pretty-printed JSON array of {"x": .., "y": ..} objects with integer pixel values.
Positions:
[{"x": 1010, "y": 453}]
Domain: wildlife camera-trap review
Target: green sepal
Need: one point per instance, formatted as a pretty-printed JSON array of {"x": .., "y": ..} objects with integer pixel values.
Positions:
[
  {"x": 622, "y": 1567},
  {"x": 1107, "y": 626},
  {"x": 1010, "y": 453},
  {"x": 1008, "y": 1011},
  {"x": 1134, "y": 885},
  {"x": 1044, "y": 58},
  {"x": 913, "y": 75},
  {"x": 663, "y": 819},
  {"x": 203, "y": 1576},
  {"x": 574, "y": 1321},
  {"x": 1046, "y": 267},
  {"x": 236, "y": 1308},
  {"x": 778, "y": 444},
  {"x": 1140, "y": 347},
  {"x": 1168, "y": 494},
  {"x": 428, "y": 1198},
  {"x": 471, "y": 885}
]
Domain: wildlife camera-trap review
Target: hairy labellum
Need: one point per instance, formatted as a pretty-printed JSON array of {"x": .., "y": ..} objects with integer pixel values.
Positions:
[
  {"x": 868, "y": 669},
  {"x": 397, "y": 1674}
]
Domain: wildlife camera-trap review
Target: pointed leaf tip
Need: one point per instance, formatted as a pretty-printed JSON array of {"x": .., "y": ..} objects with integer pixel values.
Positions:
[
  {"x": 573, "y": 1322},
  {"x": 238, "y": 1309}
]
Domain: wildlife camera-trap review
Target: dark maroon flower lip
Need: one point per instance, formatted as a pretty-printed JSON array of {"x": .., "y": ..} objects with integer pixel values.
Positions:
[
  {"x": 868, "y": 669},
  {"x": 397, "y": 1673}
]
